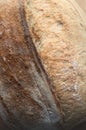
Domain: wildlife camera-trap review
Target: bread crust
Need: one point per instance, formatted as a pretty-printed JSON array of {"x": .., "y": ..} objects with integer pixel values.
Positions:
[
  {"x": 58, "y": 30},
  {"x": 26, "y": 101},
  {"x": 24, "y": 84}
]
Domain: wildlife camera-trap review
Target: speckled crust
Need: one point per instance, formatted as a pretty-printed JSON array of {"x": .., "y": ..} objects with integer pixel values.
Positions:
[
  {"x": 58, "y": 30},
  {"x": 26, "y": 101}
]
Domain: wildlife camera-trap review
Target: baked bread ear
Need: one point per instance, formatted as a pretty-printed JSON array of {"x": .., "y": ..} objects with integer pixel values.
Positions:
[
  {"x": 58, "y": 30},
  {"x": 28, "y": 98},
  {"x": 26, "y": 101}
]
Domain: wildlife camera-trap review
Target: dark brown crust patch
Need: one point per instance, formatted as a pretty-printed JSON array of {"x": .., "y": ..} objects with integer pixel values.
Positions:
[{"x": 25, "y": 93}]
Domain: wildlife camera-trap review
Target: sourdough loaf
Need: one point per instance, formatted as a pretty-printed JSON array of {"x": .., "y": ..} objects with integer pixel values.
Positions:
[
  {"x": 26, "y": 101},
  {"x": 58, "y": 30}
]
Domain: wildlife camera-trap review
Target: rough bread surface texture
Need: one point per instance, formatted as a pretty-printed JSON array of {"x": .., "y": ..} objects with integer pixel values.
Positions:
[{"x": 58, "y": 30}]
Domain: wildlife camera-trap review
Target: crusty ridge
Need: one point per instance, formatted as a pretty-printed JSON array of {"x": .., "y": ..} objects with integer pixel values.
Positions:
[
  {"x": 58, "y": 30},
  {"x": 24, "y": 102}
]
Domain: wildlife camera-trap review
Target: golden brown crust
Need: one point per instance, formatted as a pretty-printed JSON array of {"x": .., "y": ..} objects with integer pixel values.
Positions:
[
  {"x": 58, "y": 30},
  {"x": 23, "y": 81},
  {"x": 25, "y": 96}
]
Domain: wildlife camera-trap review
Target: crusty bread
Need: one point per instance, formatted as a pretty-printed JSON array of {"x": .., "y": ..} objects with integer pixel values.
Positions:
[
  {"x": 27, "y": 98},
  {"x": 58, "y": 30},
  {"x": 26, "y": 101}
]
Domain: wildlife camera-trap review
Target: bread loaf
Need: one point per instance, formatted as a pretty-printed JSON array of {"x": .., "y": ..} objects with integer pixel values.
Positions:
[
  {"x": 26, "y": 101},
  {"x": 58, "y": 30},
  {"x": 29, "y": 100}
]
